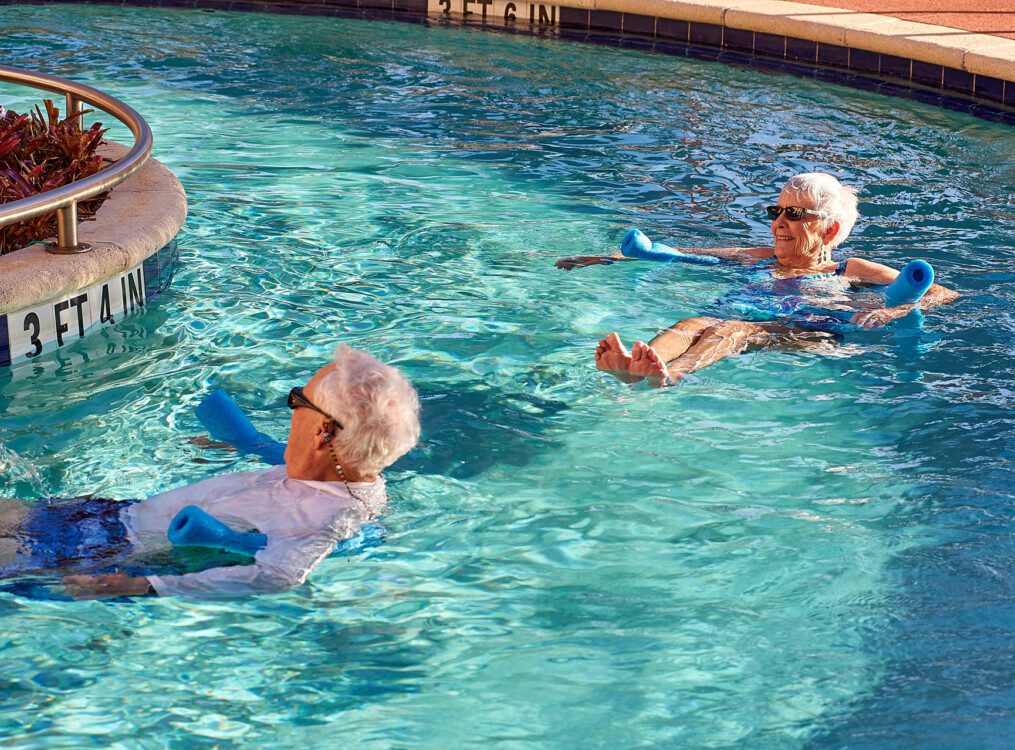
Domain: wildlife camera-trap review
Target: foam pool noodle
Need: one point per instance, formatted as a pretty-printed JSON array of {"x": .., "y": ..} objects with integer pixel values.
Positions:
[
  {"x": 637, "y": 245},
  {"x": 193, "y": 527},
  {"x": 225, "y": 422},
  {"x": 910, "y": 285}
]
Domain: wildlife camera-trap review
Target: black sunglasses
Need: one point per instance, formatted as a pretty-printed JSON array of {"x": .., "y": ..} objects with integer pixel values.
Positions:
[
  {"x": 297, "y": 399},
  {"x": 793, "y": 213}
]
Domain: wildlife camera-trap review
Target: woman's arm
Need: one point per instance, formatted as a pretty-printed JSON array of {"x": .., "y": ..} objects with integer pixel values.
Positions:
[
  {"x": 582, "y": 261},
  {"x": 868, "y": 272},
  {"x": 746, "y": 255},
  {"x": 283, "y": 564},
  {"x": 106, "y": 585}
]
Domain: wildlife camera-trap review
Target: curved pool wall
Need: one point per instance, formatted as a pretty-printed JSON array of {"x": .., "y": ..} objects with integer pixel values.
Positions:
[
  {"x": 49, "y": 301},
  {"x": 947, "y": 67}
]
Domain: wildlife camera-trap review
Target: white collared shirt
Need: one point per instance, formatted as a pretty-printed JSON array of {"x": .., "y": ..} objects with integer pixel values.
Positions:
[{"x": 302, "y": 519}]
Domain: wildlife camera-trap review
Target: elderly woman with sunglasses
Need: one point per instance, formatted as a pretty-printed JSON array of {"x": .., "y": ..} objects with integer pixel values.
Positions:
[
  {"x": 814, "y": 215},
  {"x": 353, "y": 418}
]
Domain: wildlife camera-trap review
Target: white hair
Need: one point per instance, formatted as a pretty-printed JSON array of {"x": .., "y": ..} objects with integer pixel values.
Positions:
[
  {"x": 836, "y": 201},
  {"x": 377, "y": 406}
]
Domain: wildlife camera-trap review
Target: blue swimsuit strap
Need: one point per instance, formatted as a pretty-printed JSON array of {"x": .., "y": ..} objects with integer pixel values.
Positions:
[{"x": 840, "y": 270}]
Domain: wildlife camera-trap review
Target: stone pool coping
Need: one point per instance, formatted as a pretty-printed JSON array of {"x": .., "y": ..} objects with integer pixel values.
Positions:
[{"x": 141, "y": 215}]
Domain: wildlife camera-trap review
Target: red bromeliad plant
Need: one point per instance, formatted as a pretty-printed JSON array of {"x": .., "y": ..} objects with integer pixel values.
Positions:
[{"x": 40, "y": 153}]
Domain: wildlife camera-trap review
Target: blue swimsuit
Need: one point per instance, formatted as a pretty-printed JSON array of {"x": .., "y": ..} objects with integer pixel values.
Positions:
[
  {"x": 65, "y": 534},
  {"x": 767, "y": 299}
]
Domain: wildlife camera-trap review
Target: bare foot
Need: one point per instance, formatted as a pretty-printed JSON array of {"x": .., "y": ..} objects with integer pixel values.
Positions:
[
  {"x": 646, "y": 361},
  {"x": 613, "y": 357}
]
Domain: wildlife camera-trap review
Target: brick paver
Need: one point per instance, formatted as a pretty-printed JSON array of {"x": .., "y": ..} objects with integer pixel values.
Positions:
[{"x": 995, "y": 17}]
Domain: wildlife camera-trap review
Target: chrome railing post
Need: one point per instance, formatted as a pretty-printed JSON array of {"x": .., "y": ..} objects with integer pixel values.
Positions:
[
  {"x": 74, "y": 106},
  {"x": 67, "y": 232}
]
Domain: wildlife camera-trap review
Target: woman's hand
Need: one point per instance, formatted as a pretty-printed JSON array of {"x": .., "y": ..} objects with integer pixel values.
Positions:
[
  {"x": 881, "y": 316},
  {"x": 581, "y": 261},
  {"x": 102, "y": 586}
]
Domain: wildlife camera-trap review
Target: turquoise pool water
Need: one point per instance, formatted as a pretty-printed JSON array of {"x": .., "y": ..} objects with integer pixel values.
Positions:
[{"x": 787, "y": 550}]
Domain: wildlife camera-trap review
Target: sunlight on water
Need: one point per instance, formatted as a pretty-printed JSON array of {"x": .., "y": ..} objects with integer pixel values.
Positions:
[{"x": 775, "y": 553}]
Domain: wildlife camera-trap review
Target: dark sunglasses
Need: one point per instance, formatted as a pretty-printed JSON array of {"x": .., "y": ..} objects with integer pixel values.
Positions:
[
  {"x": 297, "y": 399},
  {"x": 793, "y": 213}
]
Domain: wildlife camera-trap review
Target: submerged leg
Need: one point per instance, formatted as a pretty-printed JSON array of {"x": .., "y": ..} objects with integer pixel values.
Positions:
[
  {"x": 728, "y": 338},
  {"x": 782, "y": 336},
  {"x": 679, "y": 337},
  {"x": 9, "y": 552},
  {"x": 12, "y": 514},
  {"x": 649, "y": 360}
]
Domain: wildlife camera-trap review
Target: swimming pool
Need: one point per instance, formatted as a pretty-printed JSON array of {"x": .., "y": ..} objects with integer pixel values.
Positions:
[{"x": 785, "y": 550}]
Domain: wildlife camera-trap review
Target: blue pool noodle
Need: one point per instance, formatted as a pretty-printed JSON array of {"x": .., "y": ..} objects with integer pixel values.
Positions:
[
  {"x": 908, "y": 288},
  {"x": 193, "y": 527},
  {"x": 637, "y": 245},
  {"x": 224, "y": 421},
  {"x": 910, "y": 285}
]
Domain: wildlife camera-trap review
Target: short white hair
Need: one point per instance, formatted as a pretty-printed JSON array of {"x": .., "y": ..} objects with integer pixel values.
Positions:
[
  {"x": 835, "y": 200},
  {"x": 377, "y": 406}
]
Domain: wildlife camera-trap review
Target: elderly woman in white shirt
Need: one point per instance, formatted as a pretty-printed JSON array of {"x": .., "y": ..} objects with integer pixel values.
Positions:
[{"x": 352, "y": 419}]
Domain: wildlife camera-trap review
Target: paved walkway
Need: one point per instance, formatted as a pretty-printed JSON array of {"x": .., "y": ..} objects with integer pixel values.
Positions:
[{"x": 995, "y": 17}]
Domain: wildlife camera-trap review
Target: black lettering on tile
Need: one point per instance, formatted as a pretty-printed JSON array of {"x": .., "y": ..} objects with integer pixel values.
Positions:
[
  {"x": 134, "y": 290},
  {"x": 105, "y": 309},
  {"x": 78, "y": 302},
  {"x": 32, "y": 322},
  {"x": 61, "y": 327}
]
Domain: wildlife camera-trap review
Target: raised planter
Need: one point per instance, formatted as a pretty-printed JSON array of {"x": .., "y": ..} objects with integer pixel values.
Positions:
[{"x": 50, "y": 301}]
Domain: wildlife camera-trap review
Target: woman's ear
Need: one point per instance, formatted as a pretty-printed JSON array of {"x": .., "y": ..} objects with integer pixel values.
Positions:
[
  {"x": 830, "y": 233},
  {"x": 322, "y": 436}
]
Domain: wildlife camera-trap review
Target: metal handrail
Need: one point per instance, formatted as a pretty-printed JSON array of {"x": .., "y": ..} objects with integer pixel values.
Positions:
[{"x": 64, "y": 200}]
